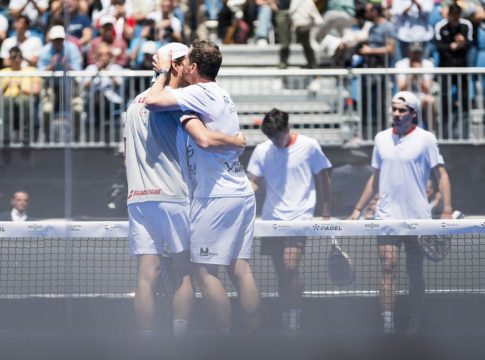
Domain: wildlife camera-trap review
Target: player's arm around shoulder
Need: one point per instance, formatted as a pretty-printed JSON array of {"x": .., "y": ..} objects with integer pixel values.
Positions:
[{"x": 211, "y": 140}]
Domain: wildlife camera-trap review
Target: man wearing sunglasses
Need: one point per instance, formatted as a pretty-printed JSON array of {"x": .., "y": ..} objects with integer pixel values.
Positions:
[{"x": 402, "y": 160}]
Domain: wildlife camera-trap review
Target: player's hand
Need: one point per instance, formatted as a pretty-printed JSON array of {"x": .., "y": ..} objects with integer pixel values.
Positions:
[
  {"x": 355, "y": 215},
  {"x": 446, "y": 215},
  {"x": 162, "y": 62}
]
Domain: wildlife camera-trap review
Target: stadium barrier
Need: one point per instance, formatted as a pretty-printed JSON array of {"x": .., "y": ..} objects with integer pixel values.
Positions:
[{"x": 335, "y": 106}]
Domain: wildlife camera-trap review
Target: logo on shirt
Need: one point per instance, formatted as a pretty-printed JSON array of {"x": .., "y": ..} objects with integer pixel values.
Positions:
[
  {"x": 235, "y": 167},
  {"x": 229, "y": 104},
  {"x": 206, "y": 252},
  {"x": 134, "y": 193}
]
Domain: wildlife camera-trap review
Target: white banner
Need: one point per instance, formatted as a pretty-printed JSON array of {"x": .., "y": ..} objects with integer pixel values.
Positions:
[{"x": 116, "y": 229}]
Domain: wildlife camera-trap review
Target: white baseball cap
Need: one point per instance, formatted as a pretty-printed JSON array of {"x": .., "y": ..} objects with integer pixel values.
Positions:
[
  {"x": 57, "y": 32},
  {"x": 149, "y": 47},
  {"x": 406, "y": 98},
  {"x": 107, "y": 19},
  {"x": 178, "y": 50}
]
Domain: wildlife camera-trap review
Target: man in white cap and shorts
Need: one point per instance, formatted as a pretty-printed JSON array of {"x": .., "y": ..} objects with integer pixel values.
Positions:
[
  {"x": 223, "y": 205},
  {"x": 158, "y": 197},
  {"x": 402, "y": 159}
]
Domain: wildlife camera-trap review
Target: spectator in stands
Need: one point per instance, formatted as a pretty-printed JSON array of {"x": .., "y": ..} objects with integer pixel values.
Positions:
[
  {"x": 20, "y": 202},
  {"x": 233, "y": 22},
  {"x": 31, "y": 46},
  {"x": 103, "y": 92},
  {"x": 377, "y": 53},
  {"x": 148, "y": 49},
  {"x": 117, "y": 44},
  {"x": 454, "y": 35},
  {"x": 33, "y": 9},
  {"x": 304, "y": 16},
  {"x": 337, "y": 22},
  {"x": 148, "y": 33},
  {"x": 169, "y": 27},
  {"x": 420, "y": 85},
  {"x": 412, "y": 19},
  {"x": 403, "y": 158},
  {"x": 20, "y": 97},
  {"x": 124, "y": 25},
  {"x": 288, "y": 163},
  {"x": 265, "y": 9},
  {"x": 283, "y": 31},
  {"x": 79, "y": 25},
  {"x": 3, "y": 30},
  {"x": 59, "y": 53}
]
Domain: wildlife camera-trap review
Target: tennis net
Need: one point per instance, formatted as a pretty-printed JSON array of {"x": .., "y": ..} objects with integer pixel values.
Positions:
[{"x": 91, "y": 259}]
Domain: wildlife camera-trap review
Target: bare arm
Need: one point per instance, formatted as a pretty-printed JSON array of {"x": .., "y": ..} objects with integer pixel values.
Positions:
[
  {"x": 371, "y": 188},
  {"x": 158, "y": 99},
  {"x": 212, "y": 140},
  {"x": 326, "y": 187},
  {"x": 255, "y": 181},
  {"x": 445, "y": 190}
]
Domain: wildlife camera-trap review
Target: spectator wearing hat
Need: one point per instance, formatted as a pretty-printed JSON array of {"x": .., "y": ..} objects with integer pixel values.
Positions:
[
  {"x": 148, "y": 33},
  {"x": 31, "y": 46},
  {"x": 59, "y": 53},
  {"x": 148, "y": 49},
  {"x": 117, "y": 45},
  {"x": 419, "y": 84}
]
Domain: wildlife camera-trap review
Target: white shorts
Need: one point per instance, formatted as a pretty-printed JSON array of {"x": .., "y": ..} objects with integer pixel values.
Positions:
[
  {"x": 153, "y": 224},
  {"x": 222, "y": 229}
]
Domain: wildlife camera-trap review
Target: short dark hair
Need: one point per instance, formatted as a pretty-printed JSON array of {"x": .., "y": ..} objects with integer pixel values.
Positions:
[
  {"x": 454, "y": 9},
  {"x": 25, "y": 17},
  {"x": 208, "y": 58},
  {"x": 275, "y": 121},
  {"x": 15, "y": 50}
]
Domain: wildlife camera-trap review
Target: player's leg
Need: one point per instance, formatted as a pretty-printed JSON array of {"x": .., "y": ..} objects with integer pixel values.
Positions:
[
  {"x": 389, "y": 260},
  {"x": 291, "y": 284},
  {"x": 214, "y": 296},
  {"x": 148, "y": 273},
  {"x": 414, "y": 267},
  {"x": 183, "y": 297},
  {"x": 242, "y": 275}
]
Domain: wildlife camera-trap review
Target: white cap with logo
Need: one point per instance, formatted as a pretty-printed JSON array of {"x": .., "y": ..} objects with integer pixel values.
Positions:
[
  {"x": 406, "y": 98},
  {"x": 178, "y": 50}
]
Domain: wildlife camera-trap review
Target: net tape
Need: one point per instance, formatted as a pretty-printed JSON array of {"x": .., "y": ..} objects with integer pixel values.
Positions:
[{"x": 113, "y": 229}]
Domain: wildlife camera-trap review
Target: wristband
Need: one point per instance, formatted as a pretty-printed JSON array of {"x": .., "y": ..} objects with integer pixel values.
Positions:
[{"x": 160, "y": 73}]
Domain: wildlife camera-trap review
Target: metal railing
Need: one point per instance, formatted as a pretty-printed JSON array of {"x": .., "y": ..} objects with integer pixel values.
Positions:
[{"x": 336, "y": 107}]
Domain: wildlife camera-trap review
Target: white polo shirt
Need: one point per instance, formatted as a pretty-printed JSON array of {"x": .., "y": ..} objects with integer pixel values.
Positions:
[
  {"x": 213, "y": 174},
  {"x": 289, "y": 176},
  {"x": 155, "y": 154},
  {"x": 404, "y": 164}
]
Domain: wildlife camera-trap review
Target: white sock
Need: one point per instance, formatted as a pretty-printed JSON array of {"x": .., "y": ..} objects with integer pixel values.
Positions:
[
  {"x": 294, "y": 319},
  {"x": 388, "y": 318},
  {"x": 180, "y": 328}
]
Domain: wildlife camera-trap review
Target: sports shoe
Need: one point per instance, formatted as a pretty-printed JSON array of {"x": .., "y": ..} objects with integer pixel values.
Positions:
[{"x": 388, "y": 328}]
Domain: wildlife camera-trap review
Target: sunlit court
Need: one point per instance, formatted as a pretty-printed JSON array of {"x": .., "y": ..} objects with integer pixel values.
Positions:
[{"x": 242, "y": 179}]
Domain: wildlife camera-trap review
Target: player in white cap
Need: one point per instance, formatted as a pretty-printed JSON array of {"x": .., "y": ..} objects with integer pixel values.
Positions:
[
  {"x": 223, "y": 204},
  {"x": 403, "y": 158},
  {"x": 158, "y": 198}
]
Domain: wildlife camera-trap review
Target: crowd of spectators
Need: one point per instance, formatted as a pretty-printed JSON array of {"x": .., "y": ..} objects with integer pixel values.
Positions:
[
  {"x": 377, "y": 33},
  {"x": 77, "y": 34}
]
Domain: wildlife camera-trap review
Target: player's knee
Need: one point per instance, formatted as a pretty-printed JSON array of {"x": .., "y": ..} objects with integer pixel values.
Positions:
[{"x": 149, "y": 274}]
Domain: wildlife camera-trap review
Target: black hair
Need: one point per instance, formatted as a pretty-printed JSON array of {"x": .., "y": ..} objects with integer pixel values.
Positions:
[{"x": 275, "y": 121}]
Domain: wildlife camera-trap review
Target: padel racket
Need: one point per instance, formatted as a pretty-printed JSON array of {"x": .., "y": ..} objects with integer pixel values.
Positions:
[
  {"x": 166, "y": 281},
  {"x": 339, "y": 265},
  {"x": 435, "y": 247}
]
